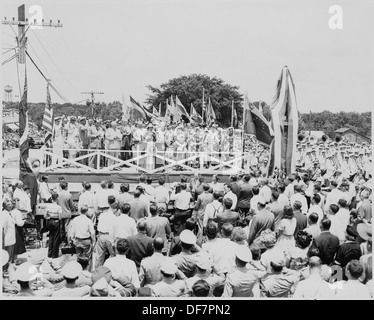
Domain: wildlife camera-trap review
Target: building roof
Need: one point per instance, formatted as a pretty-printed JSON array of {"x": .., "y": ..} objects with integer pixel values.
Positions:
[{"x": 342, "y": 130}]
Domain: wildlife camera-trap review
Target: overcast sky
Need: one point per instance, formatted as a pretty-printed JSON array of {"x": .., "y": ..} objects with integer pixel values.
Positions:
[{"x": 119, "y": 47}]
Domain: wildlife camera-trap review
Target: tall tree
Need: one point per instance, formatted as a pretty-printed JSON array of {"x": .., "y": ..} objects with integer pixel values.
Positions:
[{"x": 189, "y": 90}]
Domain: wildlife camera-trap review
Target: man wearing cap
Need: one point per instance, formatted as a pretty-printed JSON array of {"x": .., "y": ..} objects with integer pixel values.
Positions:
[
  {"x": 169, "y": 286},
  {"x": 57, "y": 141},
  {"x": 241, "y": 282},
  {"x": 71, "y": 272},
  {"x": 186, "y": 260},
  {"x": 263, "y": 220},
  {"x": 204, "y": 266}
]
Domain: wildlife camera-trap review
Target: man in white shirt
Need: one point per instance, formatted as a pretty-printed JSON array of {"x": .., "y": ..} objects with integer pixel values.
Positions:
[
  {"x": 223, "y": 251},
  {"x": 314, "y": 288},
  {"x": 161, "y": 194},
  {"x": 231, "y": 195},
  {"x": 125, "y": 226},
  {"x": 106, "y": 230},
  {"x": 353, "y": 289},
  {"x": 24, "y": 199},
  {"x": 124, "y": 196},
  {"x": 313, "y": 226},
  {"x": 283, "y": 199},
  {"x": 121, "y": 267},
  {"x": 101, "y": 198},
  {"x": 254, "y": 200},
  {"x": 265, "y": 190},
  {"x": 297, "y": 196},
  {"x": 334, "y": 196},
  {"x": 87, "y": 199},
  {"x": 343, "y": 214},
  {"x": 216, "y": 185},
  {"x": 82, "y": 233},
  {"x": 336, "y": 228},
  {"x": 289, "y": 191},
  {"x": 44, "y": 191},
  {"x": 213, "y": 209},
  {"x": 315, "y": 207}
]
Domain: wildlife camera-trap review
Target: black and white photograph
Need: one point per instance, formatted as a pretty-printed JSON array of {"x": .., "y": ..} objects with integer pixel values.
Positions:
[{"x": 187, "y": 150}]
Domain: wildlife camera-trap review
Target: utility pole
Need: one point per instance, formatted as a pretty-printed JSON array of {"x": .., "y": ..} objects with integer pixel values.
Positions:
[
  {"x": 92, "y": 102},
  {"x": 22, "y": 22}
]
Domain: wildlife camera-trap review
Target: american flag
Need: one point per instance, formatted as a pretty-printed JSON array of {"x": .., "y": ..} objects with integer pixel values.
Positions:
[
  {"x": 47, "y": 124},
  {"x": 24, "y": 132},
  {"x": 210, "y": 115}
]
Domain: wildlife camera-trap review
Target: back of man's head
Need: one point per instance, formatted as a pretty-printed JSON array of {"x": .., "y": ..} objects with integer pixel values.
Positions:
[
  {"x": 314, "y": 262},
  {"x": 216, "y": 195},
  {"x": 247, "y": 177},
  {"x": 103, "y": 184},
  {"x": 325, "y": 224},
  {"x": 123, "y": 246},
  {"x": 183, "y": 186},
  {"x": 275, "y": 195},
  {"x": 256, "y": 190},
  {"x": 227, "y": 203},
  {"x": 342, "y": 203},
  {"x": 297, "y": 188},
  {"x": 125, "y": 187},
  {"x": 126, "y": 208},
  {"x": 161, "y": 181},
  {"x": 316, "y": 198},
  {"x": 190, "y": 224},
  {"x": 227, "y": 229},
  {"x": 206, "y": 187},
  {"x": 354, "y": 269},
  {"x": 313, "y": 217},
  {"x": 142, "y": 225},
  {"x": 297, "y": 205},
  {"x": 158, "y": 244},
  {"x": 281, "y": 187},
  {"x": 63, "y": 185},
  {"x": 334, "y": 208},
  {"x": 153, "y": 209},
  {"x": 111, "y": 200},
  {"x": 137, "y": 193}
]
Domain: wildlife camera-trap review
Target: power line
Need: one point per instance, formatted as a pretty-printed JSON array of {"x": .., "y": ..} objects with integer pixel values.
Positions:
[
  {"x": 50, "y": 57},
  {"x": 48, "y": 80},
  {"x": 10, "y": 59}
]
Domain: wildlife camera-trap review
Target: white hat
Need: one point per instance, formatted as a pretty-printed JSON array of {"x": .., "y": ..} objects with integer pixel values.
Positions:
[
  {"x": 169, "y": 266},
  {"x": 26, "y": 272},
  {"x": 187, "y": 236},
  {"x": 203, "y": 261},
  {"x": 243, "y": 253},
  {"x": 5, "y": 257},
  {"x": 261, "y": 200},
  {"x": 71, "y": 270}
]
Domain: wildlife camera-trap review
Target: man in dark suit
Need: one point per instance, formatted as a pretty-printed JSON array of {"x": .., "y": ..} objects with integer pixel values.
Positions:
[
  {"x": 301, "y": 219},
  {"x": 263, "y": 220},
  {"x": 65, "y": 201},
  {"x": 235, "y": 188},
  {"x": 245, "y": 196},
  {"x": 140, "y": 244},
  {"x": 327, "y": 243}
]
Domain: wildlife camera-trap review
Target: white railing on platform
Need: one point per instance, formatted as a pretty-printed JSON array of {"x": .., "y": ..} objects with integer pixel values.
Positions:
[{"x": 146, "y": 161}]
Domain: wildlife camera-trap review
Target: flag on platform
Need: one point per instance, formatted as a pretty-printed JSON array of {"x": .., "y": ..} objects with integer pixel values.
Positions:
[
  {"x": 174, "y": 111},
  {"x": 136, "y": 111},
  {"x": 203, "y": 107},
  {"x": 234, "y": 116},
  {"x": 47, "y": 124},
  {"x": 248, "y": 125},
  {"x": 26, "y": 174},
  {"x": 24, "y": 131},
  {"x": 210, "y": 115},
  {"x": 182, "y": 110},
  {"x": 195, "y": 116},
  {"x": 154, "y": 111},
  {"x": 285, "y": 123},
  {"x": 125, "y": 109}
]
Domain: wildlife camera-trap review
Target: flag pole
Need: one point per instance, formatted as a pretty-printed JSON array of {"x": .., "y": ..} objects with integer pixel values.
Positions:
[
  {"x": 232, "y": 113},
  {"x": 202, "y": 108}
]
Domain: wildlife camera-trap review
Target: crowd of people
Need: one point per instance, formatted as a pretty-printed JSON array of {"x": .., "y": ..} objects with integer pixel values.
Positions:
[
  {"x": 304, "y": 236},
  {"x": 10, "y": 140}
]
